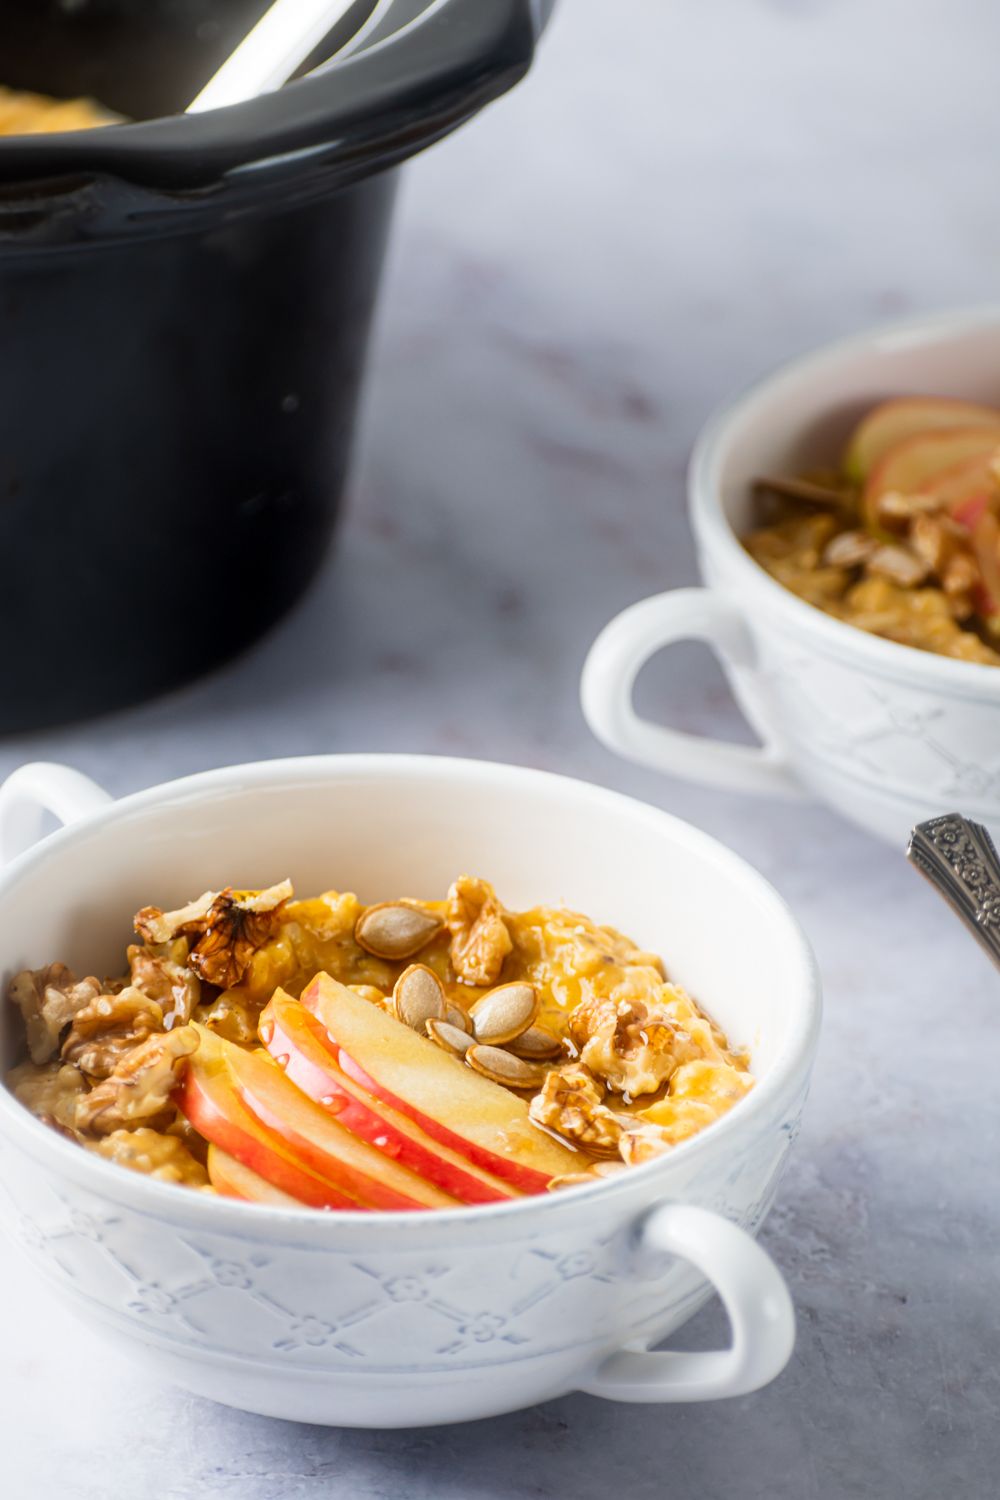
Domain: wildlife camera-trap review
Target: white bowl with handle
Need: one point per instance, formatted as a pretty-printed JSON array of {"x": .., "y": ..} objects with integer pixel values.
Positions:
[
  {"x": 383, "y": 1319},
  {"x": 886, "y": 734}
]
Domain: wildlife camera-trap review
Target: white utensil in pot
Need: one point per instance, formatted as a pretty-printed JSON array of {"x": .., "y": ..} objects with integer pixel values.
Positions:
[{"x": 269, "y": 54}]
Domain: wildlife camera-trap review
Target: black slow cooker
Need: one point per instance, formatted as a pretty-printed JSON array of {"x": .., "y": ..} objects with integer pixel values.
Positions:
[{"x": 184, "y": 309}]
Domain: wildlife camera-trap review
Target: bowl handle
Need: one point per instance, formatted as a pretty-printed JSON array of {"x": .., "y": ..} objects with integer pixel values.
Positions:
[
  {"x": 755, "y": 1297},
  {"x": 623, "y": 648},
  {"x": 38, "y": 788}
]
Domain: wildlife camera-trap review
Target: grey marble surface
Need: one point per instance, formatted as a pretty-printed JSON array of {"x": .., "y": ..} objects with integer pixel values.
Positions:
[{"x": 682, "y": 195}]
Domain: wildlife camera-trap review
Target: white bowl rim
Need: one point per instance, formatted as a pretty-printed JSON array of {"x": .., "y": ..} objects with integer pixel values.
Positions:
[
  {"x": 787, "y": 1074},
  {"x": 961, "y": 679}
]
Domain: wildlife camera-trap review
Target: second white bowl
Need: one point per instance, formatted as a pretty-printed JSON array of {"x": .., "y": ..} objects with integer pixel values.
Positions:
[{"x": 886, "y": 734}]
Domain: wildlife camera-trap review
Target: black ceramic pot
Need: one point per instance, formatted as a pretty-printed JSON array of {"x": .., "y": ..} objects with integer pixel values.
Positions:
[{"x": 184, "y": 309}]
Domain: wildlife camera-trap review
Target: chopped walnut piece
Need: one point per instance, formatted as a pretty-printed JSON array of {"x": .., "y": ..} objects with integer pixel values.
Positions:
[
  {"x": 158, "y": 926},
  {"x": 571, "y": 1104},
  {"x": 164, "y": 1157},
  {"x": 48, "y": 999},
  {"x": 162, "y": 973},
  {"x": 139, "y": 1089},
  {"x": 935, "y": 539},
  {"x": 633, "y": 1045},
  {"x": 230, "y": 927},
  {"x": 109, "y": 1027},
  {"x": 961, "y": 574},
  {"x": 895, "y": 508},
  {"x": 50, "y": 1092},
  {"x": 480, "y": 940}
]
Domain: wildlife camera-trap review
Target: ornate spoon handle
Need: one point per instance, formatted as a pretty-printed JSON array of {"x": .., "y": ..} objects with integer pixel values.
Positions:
[{"x": 960, "y": 859}]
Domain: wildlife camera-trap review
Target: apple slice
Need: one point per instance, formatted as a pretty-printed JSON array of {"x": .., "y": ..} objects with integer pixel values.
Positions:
[
  {"x": 232, "y": 1179},
  {"x": 309, "y": 1059},
  {"x": 894, "y": 421},
  {"x": 207, "y": 1095},
  {"x": 918, "y": 462},
  {"x": 967, "y": 490},
  {"x": 322, "y": 1143},
  {"x": 480, "y": 1120}
]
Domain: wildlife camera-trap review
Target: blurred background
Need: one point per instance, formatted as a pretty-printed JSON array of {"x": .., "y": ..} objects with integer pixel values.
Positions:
[{"x": 680, "y": 196}]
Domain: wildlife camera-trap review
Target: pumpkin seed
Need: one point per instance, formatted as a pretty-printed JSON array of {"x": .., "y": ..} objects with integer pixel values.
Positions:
[
  {"x": 418, "y": 997},
  {"x": 504, "y": 1013},
  {"x": 503, "y": 1067},
  {"x": 456, "y": 1016},
  {"x": 451, "y": 1038},
  {"x": 536, "y": 1044},
  {"x": 394, "y": 930}
]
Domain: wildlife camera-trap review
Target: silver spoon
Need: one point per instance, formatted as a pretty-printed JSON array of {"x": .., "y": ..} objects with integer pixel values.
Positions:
[
  {"x": 270, "y": 53},
  {"x": 960, "y": 859}
]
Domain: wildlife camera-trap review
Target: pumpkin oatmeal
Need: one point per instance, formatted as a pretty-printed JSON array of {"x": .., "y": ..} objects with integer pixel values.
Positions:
[
  {"x": 903, "y": 540},
  {"x": 24, "y": 113},
  {"x": 410, "y": 1054}
]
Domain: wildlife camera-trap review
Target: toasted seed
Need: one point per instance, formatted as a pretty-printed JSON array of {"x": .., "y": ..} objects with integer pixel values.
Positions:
[
  {"x": 504, "y": 1013},
  {"x": 899, "y": 565},
  {"x": 849, "y": 549},
  {"x": 418, "y": 997},
  {"x": 535, "y": 1044},
  {"x": 456, "y": 1016},
  {"x": 503, "y": 1067},
  {"x": 451, "y": 1038},
  {"x": 394, "y": 930}
]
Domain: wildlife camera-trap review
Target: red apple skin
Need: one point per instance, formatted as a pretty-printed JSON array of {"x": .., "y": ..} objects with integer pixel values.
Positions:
[
  {"x": 207, "y": 1097},
  {"x": 311, "y": 1062},
  {"x": 967, "y": 512},
  {"x": 923, "y": 461},
  {"x": 321, "y": 1141},
  {"x": 326, "y": 998},
  {"x": 903, "y": 417},
  {"x": 231, "y": 1179}
]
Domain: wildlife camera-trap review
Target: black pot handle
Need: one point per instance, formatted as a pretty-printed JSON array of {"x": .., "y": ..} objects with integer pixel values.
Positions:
[{"x": 368, "y": 110}]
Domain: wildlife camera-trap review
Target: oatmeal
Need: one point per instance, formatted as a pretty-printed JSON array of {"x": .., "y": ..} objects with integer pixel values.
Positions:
[
  {"x": 904, "y": 540},
  {"x": 36, "y": 114},
  {"x": 409, "y": 1054}
]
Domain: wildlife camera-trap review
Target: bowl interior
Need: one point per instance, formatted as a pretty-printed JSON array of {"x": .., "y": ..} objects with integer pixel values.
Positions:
[
  {"x": 409, "y": 827},
  {"x": 800, "y": 418}
]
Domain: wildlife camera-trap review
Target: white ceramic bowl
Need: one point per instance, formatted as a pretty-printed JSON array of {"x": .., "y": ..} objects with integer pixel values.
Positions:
[
  {"x": 886, "y": 734},
  {"x": 391, "y": 1320}
]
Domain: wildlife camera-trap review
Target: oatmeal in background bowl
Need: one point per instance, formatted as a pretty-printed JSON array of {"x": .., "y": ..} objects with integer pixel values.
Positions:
[{"x": 903, "y": 538}]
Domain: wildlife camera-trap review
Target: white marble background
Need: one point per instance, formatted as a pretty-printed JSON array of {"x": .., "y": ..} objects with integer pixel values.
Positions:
[{"x": 683, "y": 194}]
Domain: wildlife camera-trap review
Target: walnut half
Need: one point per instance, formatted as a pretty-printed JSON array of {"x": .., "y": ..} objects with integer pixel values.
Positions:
[
  {"x": 571, "y": 1104},
  {"x": 49, "y": 999},
  {"x": 108, "y": 1028},
  {"x": 138, "y": 1090},
  {"x": 632, "y": 1045},
  {"x": 479, "y": 938},
  {"x": 230, "y": 927}
]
